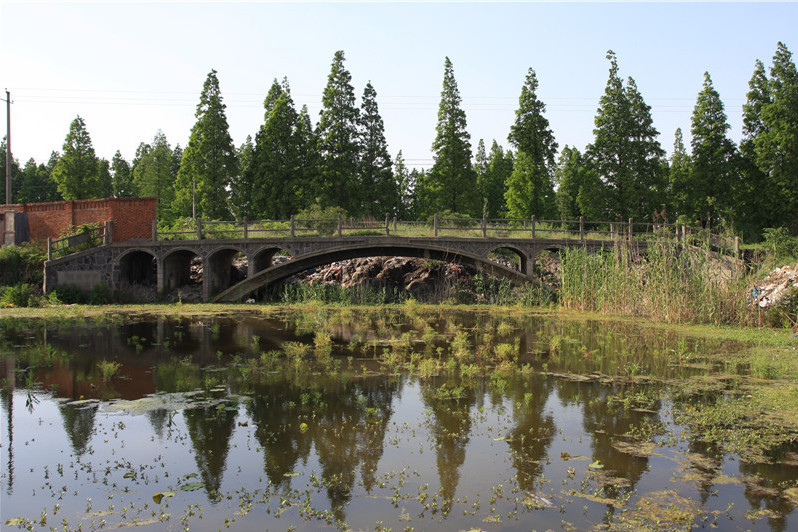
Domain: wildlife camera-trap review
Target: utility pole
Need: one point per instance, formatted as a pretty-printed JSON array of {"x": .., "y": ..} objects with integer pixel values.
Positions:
[{"x": 8, "y": 147}]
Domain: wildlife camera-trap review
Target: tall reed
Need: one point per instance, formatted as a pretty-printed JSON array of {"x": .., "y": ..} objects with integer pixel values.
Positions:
[{"x": 671, "y": 285}]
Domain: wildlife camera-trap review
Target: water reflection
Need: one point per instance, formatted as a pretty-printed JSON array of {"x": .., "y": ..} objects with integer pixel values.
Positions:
[
  {"x": 78, "y": 422},
  {"x": 324, "y": 417},
  {"x": 210, "y": 429}
]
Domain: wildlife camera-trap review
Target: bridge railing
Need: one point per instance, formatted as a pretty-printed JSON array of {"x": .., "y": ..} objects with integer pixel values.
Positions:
[
  {"x": 439, "y": 226},
  {"x": 84, "y": 237}
]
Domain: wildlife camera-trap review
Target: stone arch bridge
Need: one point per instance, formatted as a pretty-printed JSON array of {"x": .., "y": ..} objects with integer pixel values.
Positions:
[{"x": 166, "y": 264}]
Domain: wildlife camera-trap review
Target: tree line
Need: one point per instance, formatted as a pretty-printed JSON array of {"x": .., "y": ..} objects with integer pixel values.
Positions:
[{"x": 342, "y": 162}]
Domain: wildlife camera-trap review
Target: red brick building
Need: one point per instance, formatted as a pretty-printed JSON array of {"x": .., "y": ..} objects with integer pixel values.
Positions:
[{"x": 131, "y": 218}]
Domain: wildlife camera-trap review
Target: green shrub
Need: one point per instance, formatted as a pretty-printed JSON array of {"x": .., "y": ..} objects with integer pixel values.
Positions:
[
  {"x": 99, "y": 295},
  {"x": 22, "y": 264},
  {"x": 18, "y": 295},
  {"x": 69, "y": 295},
  {"x": 780, "y": 244}
]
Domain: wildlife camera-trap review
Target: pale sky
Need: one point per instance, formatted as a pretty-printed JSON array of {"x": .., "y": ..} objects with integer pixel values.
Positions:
[{"x": 132, "y": 68}]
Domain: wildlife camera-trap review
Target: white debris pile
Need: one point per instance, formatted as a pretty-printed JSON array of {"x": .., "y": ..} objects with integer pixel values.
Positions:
[{"x": 770, "y": 290}]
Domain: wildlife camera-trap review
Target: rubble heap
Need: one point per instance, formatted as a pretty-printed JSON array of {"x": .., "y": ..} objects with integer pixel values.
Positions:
[{"x": 773, "y": 288}]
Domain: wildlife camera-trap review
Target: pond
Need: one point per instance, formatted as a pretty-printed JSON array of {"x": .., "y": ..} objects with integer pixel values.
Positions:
[{"x": 401, "y": 418}]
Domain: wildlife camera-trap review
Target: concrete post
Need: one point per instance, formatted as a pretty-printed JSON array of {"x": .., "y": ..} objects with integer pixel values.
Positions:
[
  {"x": 293, "y": 226},
  {"x": 387, "y": 225},
  {"x": 246, "y": 231},
  {"x": 394, "y": 224},
  {"x": 435, "y": 223},
  {"x": 533, "y": 225},
  {"x": 340, "y": 226},
  {"x": 631, "y": 230},
  {"x": 154, "y": 230},
  {"x": 49, "y": 248},
  {"x": 160, "y": 276},
  {"x": 581, "y": 228},
  {"x": 736, "y": 247},
  {"x": 199, "y": 228},
  {"x": 108, "y": 236},
  {"x": 484, "y": 227}
]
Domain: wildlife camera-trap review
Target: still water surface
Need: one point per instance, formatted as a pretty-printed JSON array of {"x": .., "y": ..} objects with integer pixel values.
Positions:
[{"x": 338, "y": 418}]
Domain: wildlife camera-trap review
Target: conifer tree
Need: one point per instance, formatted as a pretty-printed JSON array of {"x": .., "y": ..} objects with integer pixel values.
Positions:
[
  {"x": 276, "y": 168},
  {"x": 76, "y": 173},
  {"x": 339, "y": 140},
  {"x": 714, "y": 176},
  {"x": 756, "y": 194},
  {"x": 310, "y": 160},
  {"x": 209, "y": 161},
  {"x": 679, "y": 178},
  {"x": 35, "y": 184},
  {"x": 152, "y": 174},
  {"x": 380, "y": 189},
  {"x": 530, "y": 189},
  {"x": 121, "y": 177},
  {"x": 106, "y": 189},
  {"x": 625, "y": 152},
  {"x": 451, "y": 183},
  {"x": 776, "y": 146},
  {"x": 407, "y": 189},
  {"x": 493, "y": 187},
  {"x": 241, "y": 189},
  {"x": 566, "y": 176}
]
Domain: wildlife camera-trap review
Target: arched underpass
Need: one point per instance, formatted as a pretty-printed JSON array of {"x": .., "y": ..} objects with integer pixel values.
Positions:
[
  {"x": 138, "y": 276},
  {"x": 298, "y": 265},
  {"x": 177, "y": 269},
  {"x": 219, "y": 273},
  {"x": 138, "y": 267}
]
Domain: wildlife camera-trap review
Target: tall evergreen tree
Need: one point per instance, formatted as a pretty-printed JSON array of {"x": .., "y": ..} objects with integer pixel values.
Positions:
[
  {"x": 714, "y": 176},
  {"x": 776, "y": 146},
  {"x": 679, "y": 172},
  {"x": 241, "y": 189},
  {"x": 121, "y": 177},
  {"x": 493, "y": 186},
  {"x": 381, "y": 191},
  {"x": 451, "y": 183},
  {"x": 310, "y": 159},
  {"x": 339, "y": 140},
  {"x": 756, "y": 193},
  {"x": 407, "y": 189},
  {"x": 566, "y": 175},
  {"x": 625, "y": 152},
  {"x": 530, "y": 132},
  {"x": 36, "y": 186},
  {"x": 152, "y": 174},
  {"x": 530, "y": 186},
  {"x": 209, "y": 161},
  {"x": 76, "y": 173},
  {"x": 276, "y": 168},
  {"x": 104, "y": 178}
]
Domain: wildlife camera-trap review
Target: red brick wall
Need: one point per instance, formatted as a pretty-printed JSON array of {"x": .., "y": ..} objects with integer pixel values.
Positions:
[{"x": 132, "y": 217}]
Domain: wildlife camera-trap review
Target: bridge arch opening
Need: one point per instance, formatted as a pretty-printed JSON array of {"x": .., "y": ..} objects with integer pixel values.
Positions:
[
  {"x": 182, "y": 269},
  {"x": 509, "y": 257},
  {"x": 138, "y": 274},
  {"x": 360, "y": 250},
  {"x": 224, "y": 268},
  {"x": 268, "y": 257}
]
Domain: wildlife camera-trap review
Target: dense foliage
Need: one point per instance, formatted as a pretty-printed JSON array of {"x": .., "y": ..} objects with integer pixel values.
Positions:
[{"x": 344, "y": 161}]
